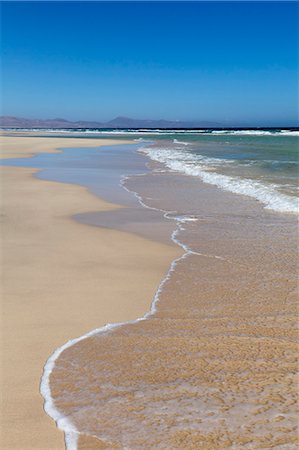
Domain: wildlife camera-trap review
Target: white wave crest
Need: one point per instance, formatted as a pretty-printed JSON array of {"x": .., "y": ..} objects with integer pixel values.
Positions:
[
  {"x": 158, "y": 132},
  {"x": 198, "y": 166},
  {"x": 175, "y": 141}
]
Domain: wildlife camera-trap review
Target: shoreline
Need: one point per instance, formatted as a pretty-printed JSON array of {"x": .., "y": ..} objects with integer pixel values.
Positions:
[
  {"x": 42, "y": 327},
  {"x": 72, "y": 436},
  {"x": 202, "y": 314}
]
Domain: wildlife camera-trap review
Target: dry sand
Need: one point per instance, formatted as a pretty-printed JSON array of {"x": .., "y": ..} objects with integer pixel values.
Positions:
[{"x": 60, "y": 279}]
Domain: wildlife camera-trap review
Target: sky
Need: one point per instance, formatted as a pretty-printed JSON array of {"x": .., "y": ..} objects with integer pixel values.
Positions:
[{"x": 231, "y": 62}]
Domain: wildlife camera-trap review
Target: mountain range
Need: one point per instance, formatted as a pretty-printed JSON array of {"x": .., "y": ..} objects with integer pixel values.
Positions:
[{"x": 118, "y": 122}]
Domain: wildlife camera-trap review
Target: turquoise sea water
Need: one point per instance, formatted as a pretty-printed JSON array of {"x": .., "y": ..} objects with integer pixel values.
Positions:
[{"x": 262, "y": 166}]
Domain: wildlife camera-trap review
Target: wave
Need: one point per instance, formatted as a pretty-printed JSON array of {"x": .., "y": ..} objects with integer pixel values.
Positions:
[
  {"x": 162, "y": 132},
  {"x": 256, "y": 132},
  {"x": 175, "y": 141},
  {"x": 199, "y": 166}
]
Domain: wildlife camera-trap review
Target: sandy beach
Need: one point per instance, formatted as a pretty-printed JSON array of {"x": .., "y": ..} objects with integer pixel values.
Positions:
[{"x": 60, "y": 279}]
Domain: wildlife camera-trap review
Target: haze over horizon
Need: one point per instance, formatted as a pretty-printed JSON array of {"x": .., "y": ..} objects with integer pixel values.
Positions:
[
  {"x": 216, "y": 62},
  {"x": 122, "y": 122}
]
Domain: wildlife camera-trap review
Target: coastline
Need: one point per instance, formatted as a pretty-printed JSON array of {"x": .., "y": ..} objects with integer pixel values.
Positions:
[{"x": 78, "y": 294}]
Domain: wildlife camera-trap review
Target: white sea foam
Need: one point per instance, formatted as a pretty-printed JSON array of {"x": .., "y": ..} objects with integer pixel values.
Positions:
[
  {"x": 202, "y": 167},
  {"x": 159, "y": 132},
  {"x": 256, "y": 132},
  {"x": 175, "y": 141},
  {"x": 63, "y": 423},
  {"x": 184, "y": 219},
  {"x": 289, "y": 132},
  {"x": 244, "y": 132}
]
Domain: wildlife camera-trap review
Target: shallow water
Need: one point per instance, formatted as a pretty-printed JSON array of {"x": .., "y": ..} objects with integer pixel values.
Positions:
[{"x": 83, "y": 166}]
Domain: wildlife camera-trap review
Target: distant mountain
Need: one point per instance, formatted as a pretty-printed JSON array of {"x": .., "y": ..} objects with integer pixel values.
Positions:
[
  {"x": 118, "y": 122},
  {"x": 126, "y": 122},
  {"x": 20, "y": 122}
]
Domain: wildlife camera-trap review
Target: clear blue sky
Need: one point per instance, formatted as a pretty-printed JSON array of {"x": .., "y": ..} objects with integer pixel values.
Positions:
[{"x": 219, "y": 61}]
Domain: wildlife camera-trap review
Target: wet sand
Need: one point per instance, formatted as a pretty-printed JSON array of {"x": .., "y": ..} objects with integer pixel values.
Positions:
[
  {"x": 26, "y": 145},
  {"x": 216, "y": 366},
  {"x": 60, "y": 279}
]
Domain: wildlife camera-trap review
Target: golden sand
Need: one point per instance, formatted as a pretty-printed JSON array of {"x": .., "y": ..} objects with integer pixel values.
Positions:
[{"x": 60, "y": 279}]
